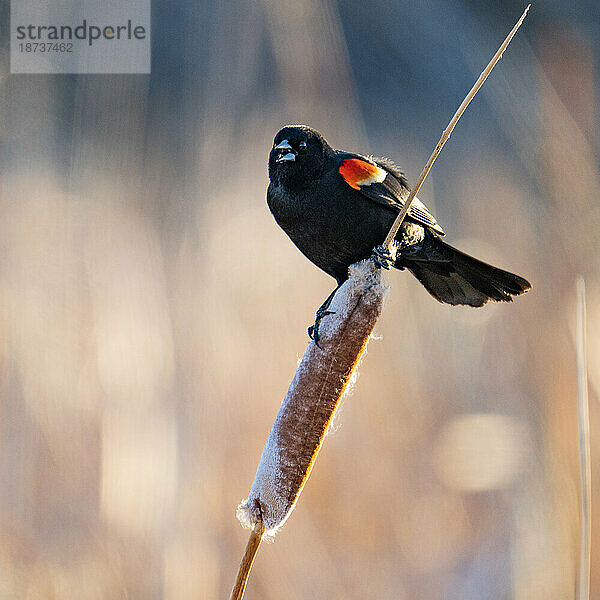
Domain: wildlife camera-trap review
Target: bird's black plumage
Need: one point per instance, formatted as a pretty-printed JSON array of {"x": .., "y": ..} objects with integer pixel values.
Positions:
[{"x": 337, "y": 206}]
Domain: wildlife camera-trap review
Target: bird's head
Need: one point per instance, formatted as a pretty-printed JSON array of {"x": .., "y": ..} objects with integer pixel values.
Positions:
[{"x": 299, "y": 156}]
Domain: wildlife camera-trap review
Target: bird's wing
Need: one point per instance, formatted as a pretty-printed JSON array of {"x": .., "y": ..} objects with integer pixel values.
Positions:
[{"x": 381, "y": 181}]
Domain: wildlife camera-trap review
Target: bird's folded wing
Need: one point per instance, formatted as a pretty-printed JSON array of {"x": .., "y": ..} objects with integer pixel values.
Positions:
[{"x": 380, "y": 181}]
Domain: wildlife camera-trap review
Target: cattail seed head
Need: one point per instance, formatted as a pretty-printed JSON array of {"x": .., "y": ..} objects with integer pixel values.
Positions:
[{"x": 322, "y": 378}]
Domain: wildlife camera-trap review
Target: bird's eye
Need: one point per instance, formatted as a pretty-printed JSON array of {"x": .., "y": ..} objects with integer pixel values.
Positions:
[{"x": 302, "y": 145}]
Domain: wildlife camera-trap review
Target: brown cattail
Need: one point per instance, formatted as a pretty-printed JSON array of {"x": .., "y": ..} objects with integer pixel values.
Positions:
[
  {"x": 310, "y": 403},
  {"x": 322, "y": 378}
]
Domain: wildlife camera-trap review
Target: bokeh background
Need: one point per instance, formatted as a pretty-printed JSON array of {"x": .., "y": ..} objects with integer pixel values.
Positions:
[{"x": 152, "y": 313}]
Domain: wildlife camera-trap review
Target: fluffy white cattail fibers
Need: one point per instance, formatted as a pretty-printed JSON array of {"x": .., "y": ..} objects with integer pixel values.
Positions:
[{"x": 310, "y": 403}]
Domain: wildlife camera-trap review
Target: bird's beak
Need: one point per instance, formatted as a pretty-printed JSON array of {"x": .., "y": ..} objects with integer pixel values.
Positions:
[{"x": 289, "y": 156}]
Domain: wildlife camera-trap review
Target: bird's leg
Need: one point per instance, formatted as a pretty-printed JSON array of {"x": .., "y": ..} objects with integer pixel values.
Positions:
[
  {"x": 383, "y": 257},
  {"x": 313, "y": 330}
]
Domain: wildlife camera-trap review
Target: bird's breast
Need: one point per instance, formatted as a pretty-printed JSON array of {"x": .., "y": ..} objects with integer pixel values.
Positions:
[{"x": 328, "y": 228}]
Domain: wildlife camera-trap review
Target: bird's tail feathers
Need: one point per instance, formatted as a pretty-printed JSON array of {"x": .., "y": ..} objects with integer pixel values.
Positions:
[{"x": 453, "y": 277}]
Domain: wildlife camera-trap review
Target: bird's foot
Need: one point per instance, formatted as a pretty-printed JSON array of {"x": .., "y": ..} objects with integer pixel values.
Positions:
[
  {"x": 313, "y": 330},
  {"x": 384, "y": 258}
]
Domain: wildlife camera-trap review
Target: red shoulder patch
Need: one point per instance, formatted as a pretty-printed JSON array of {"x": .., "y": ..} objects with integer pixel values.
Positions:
[{"x": 357, "y": 172}]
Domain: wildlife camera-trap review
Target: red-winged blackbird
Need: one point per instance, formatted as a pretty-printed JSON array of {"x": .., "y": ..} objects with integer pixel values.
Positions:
[{"x": 337, "y": 206}]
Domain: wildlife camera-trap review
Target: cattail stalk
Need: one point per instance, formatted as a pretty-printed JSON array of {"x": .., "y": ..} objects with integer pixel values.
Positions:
[
  {"x": 323, "y": 376},
  {"x": 321, "y": 380},
  {"x": 446, "y": 134},
  {"x": 256, "y": 536},
  {"x": 583, "y": 417}
]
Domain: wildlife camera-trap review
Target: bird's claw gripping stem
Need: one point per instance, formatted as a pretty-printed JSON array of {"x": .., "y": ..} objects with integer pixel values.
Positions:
[
  {"x": 313, "y": 330},
  {"x": 383, "y": 257}
]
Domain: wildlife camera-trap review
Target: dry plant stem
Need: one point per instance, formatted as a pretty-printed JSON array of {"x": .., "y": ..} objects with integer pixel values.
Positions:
[
  {"x": 461, "y": 109},
  {"x": 321, "y": 380},
  {"x": 323, "y": 376},
  {"x": 583, "y": 414},
  {"x": 256, "y": 536}
]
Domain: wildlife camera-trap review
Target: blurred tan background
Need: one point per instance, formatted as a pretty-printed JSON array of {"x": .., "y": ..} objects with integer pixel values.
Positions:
[{"x": 152, "y": 313}]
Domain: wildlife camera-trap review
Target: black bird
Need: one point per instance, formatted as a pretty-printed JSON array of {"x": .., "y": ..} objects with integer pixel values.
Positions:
[{"x": 337, "y": 207}]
